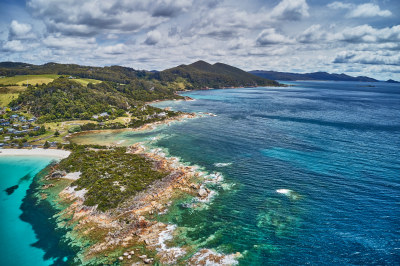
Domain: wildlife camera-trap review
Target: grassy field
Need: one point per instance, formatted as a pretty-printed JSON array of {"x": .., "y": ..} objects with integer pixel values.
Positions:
[
  {"x": 31, "y": 79},
  {"x": 6, "y": 98},
  {"x": 87, "y": 81},
  {"x": 40, "y": 79},
  {"x": 21, "y": 80}
]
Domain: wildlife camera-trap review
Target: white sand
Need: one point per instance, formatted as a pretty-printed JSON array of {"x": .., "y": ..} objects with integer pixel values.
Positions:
[
  {"x": 60, "y": 154},
  {"x": 72, "y": 176}
]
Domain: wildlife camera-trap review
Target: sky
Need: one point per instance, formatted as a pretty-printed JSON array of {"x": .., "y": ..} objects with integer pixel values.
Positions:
[{"x": 354, "y": 37}]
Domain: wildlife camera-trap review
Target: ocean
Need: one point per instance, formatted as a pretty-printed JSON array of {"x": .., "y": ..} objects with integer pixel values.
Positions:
[{"x": 311, "y": 174}]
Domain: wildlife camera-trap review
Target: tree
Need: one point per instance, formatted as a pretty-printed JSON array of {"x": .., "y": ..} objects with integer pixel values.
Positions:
[
  {"x": 46, "y": 145},
  {"x": 56, "y": 134}
]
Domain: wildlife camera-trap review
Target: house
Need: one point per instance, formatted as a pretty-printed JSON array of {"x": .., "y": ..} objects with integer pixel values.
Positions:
[
  {"x": 10, "y": 130},
  {"x": 16, "y": 125},
  {"x": 5, "y": 124},
  {"x": 25, "y": 127},
  {"x": 33, "y": 119},
  {"x": 7, "y": 138},
  {"x": 16, "y": 108},
  {"x": 36, "y": 128},
  {"x": 162, "y": 114},
  {"x": 14, "y": 116},
  {"x": 100, "y": 115},
  {"x": 22, "y": 119}
]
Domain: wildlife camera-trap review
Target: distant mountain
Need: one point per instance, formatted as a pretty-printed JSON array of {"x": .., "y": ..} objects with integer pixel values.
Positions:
[
  {"x": 204, "y": 75},
  {"x": 308, "y": 76},
  {"x": 392, "y": 81}
]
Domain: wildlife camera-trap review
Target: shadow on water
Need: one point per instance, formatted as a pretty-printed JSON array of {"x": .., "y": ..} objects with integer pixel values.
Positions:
[
  {"x": 40, "y": 215},
  {"x": 11, "y": 190}
]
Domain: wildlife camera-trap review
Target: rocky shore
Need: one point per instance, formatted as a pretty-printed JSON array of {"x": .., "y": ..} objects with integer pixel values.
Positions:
[{"x": 131, "y": 234}]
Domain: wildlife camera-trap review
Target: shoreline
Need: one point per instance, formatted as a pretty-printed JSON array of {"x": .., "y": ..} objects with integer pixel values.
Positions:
[
  {"x": 145, "y": 239},
  {"x": 147, "y": 127},
  {"x": 145, "y": 235},
  {"x": 59, "y": 154}
]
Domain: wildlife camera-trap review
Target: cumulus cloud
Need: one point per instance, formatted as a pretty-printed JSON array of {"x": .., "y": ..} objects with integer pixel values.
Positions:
[
  {"x": 19, "y": 30},
  {"x": 373, "y": 58},
  {"x": 361, "y": 11},
  {"x": 368, "y": 34},
  {"x": 14, "y": 46},
  {"x": 312, "y": 34},
  {"x": 291, "y": 10},
  {"x": 67, "y": 43},
  {"x": 270, "y": 36},
  {"x": 116, "y": 49},
  {"x": 153, "y": 37},
  {"x": 171, "y": 8},
  {"x": 92, "y": 17}
]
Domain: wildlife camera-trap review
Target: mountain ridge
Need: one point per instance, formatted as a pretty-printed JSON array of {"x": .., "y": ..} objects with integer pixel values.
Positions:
[
  {"x": 204, "y": 75},
  {"x": 287, "y": 76}
]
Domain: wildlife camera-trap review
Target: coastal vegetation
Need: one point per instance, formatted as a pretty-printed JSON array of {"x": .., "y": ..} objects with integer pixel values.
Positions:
[{"x": 110, "y": 175}]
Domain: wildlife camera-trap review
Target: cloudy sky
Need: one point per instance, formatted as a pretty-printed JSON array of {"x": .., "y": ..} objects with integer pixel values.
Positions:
[{"x": 359, "y": 37}]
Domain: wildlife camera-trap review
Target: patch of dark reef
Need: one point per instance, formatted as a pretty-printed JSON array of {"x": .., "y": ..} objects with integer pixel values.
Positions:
[
  {"x": 26, "y": 177},
  {"x": 41, "y": 215},
  {"x": 11, "y": 190}
]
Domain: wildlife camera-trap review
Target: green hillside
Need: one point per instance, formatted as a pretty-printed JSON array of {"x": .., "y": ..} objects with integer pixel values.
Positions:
[{"x": 204, "y": 75}]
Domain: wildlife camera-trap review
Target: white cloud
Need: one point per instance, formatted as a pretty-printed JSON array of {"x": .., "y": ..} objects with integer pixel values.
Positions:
[
  {"x": 291, "y": 10},
  {"x": 340, "y": 5},
  {"x": 369, "y": 57},
  {"x": 153, "y": 37},
  {"x": 14, "y": 46},
  {"x": 368, "y": 34},
  {"x": 313, "y": 34},
  {"x": 19, "y": 30},
  {"x": 270, "y": 36},
  {"x": 69, "y": 43},
  {"x": 117, "y": 49},
  {"x": 361, "y": 11},
  {"x": 368, "y": 10}
]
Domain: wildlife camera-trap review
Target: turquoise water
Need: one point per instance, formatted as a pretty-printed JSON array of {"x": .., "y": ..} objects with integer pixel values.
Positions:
[
  {"x": 17, "y": 237},
  {"x": 312, "y": 175}
]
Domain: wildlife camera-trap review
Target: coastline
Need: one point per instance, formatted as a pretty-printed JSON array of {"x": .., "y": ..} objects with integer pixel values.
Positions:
[
  {"x": 60, "y": 154},
  {"x": 149, "y": 126},
  {"x": 144, "y": 239}
]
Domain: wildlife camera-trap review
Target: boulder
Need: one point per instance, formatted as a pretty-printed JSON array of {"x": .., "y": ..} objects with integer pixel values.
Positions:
[{"x": 202, "y": 193}]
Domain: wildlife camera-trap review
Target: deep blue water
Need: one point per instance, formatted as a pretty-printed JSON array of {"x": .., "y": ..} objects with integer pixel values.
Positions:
[{"x": 334, "y": 145}]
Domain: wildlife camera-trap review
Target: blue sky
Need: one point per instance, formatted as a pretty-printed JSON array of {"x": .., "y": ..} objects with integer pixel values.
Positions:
[{"x": 352, "y": 37}]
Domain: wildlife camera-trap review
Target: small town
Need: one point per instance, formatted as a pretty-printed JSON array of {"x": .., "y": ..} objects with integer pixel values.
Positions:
[{"x": 18, "y": 129}]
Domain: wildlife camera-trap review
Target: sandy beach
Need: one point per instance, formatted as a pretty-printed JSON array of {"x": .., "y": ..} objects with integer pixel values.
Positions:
[{"x": 60, "y": 154}]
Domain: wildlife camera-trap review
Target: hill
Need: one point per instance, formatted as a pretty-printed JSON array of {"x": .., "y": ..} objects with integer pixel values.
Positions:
[
  {"x": 65, "y": 99},
  {"x": 203, "y": 75},
  {"x": 308, "y": 76},
  {"x": 109, "y": 73}
]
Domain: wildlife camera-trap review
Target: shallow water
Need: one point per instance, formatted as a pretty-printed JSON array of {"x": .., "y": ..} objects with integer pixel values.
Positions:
[{"x": 17, "y": 236}]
